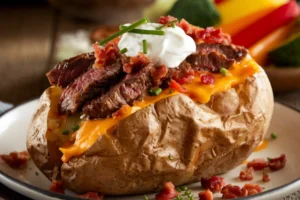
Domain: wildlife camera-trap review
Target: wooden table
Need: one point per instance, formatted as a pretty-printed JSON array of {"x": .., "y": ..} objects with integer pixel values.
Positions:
[{"x": 28, "y": 38}]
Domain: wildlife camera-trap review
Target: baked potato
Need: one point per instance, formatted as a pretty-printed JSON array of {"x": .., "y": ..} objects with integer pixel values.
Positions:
[{"x": 174, "y": 138}]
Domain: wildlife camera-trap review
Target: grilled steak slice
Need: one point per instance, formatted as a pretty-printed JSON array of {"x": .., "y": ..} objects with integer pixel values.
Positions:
[
  {"x": 131, "y": 88},
  {"x": 214, "y": 56},
  {"x": 88, "y": 86},
  {"x": 68, "y": 70}
]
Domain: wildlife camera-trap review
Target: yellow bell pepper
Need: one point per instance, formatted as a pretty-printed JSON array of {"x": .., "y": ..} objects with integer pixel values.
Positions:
[
  {"x": 232, "y": 10},
  {"x": 260, "y": 50}
]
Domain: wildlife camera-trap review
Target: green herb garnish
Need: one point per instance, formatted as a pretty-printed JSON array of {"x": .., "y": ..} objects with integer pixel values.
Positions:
[
  {"x": 65, "y": 132},
  {"x": 145, "y": 47},
  {"x": 144, "y": 31},
  {"x": 127, "y": 29},
  {"x": 172, "y": 23},
  {"x": 223, "y": 71},
  {"x": 122, "y": 51},
  {"x": 155, "y": 92},
  {"x": 75, "y": 128},
  {"x": 273, "y": 136}
]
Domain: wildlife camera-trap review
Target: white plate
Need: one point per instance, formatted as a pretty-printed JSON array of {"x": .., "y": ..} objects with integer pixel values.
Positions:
[{"x": 30, "y": 181}]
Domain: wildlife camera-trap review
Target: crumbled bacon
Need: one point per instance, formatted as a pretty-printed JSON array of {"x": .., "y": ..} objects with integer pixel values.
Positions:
[
  {"x": 169, "y": 192},
  {"x": 265, "y": 178},
  {"x": 176, "y": 86},
  {"x": 57, "y": 186},
  {"x": 167, "y": 19},
  {"x": 16, "y": 160},
  {"x": 206, "y": 195},
  {"x": 92, "y": 195},
  {"x": 214, "y": 184},
  {"x": 208, "y": 35},
  {"x": 158, "y": 74},
  {"x": 106, "y": 55},
  {"x": 247, "y": 174},
  {"x": 277, "y": 163},
  {"x": 135, "y": 62},
  {"x": 231, "y": 192},
  {"x": 207, "y": 79},
  {"x": 188, "y": 77},
  {"x": 258, "y": 164},
  {"x": 100, "y": 55}
]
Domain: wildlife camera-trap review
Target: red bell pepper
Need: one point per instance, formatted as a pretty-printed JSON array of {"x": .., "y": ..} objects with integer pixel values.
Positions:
[
  {"x": 269, "y": 23},
  {"x": 219, "y": 1}
]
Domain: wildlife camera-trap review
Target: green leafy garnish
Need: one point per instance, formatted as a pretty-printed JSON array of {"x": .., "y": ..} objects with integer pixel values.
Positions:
[
  {"x": 122, "y": 51},
  {"x": 223, "y": 71},
  {"x": 127, "y": 29},
  {"x": 144, "y": 31},
  {"x": 75, "y": 128},
  {"x": 145, "y": 47},
  {"x": 65, "y": 132},
  {"x": 273, "y": 136},
  {"x": 201, "y": 13},
  {"x": 155, "y": 92}
]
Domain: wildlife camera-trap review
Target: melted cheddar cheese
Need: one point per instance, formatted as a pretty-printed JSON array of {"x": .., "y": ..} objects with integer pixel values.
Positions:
[{"x": 90, "y": 130}]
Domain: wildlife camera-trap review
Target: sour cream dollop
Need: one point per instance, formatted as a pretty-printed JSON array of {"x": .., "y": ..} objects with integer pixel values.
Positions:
[{"x": 169, "y": 49}]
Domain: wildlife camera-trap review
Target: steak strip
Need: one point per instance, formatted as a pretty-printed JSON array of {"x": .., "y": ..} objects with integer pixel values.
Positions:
[
  {"x": 131, "y": 88},
  {"x": 88, "y": 86},
  {"x": 66, "y": 71}
]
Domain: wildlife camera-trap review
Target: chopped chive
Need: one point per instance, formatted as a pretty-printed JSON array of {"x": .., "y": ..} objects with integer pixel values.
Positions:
[
  {"x": 167, "y": 24},
  {"x": 223, "y": 71},
  {"x": 144, "y": 31},
  {"x": 129, "y": 28},
  {"x": 65, "y": 132},
  {"x": 185, "y": 188},
  {"x": 75, "y": 128},
  {"x": 273, "y": 136},
  {"x": 122, "y": 51},
  {"x": 178, "y": 189},
  {"x": 154, "y": 92},
  {"x": 145, "y": 197},
  {"x": 173, "y": 25},
  {"x": 145, "y": 47}
]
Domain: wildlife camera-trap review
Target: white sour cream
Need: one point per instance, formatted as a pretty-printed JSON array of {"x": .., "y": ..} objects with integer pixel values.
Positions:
[{"x": 169, "y": 49}]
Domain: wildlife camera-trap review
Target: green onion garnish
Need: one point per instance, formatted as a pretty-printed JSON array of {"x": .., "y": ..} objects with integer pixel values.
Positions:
[
  {"x": 145, "y": 47},
  {"x": 75, "y": 128},
  {"x": 167, "y": 24},
  {"x": 128, "y": 28},
  {"x": 65, "y": 132},
  {"x": 144, "y": 31},
  {"x": 223, "y": 71},
  {"x": 155, "y": 92},
  {"x": 173, "y": 25},
  {"x": 273, "y": 136},
  {"x": 123, "y": 51}
]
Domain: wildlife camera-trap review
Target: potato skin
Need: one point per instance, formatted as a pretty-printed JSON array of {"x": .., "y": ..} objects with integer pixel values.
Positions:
[{"x": 175, "y": 140}]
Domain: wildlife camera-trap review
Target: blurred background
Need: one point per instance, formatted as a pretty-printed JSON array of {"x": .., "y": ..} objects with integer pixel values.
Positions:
[{"x": 36, "y": 34}]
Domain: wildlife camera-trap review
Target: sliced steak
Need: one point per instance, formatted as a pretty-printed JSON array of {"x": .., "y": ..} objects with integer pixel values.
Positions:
[
  {"x": 88, "y": 86},
  {"x": 131, "y": 88},
  {"x": 214, "y": 56},
  {"x": 68, "y": 70}
]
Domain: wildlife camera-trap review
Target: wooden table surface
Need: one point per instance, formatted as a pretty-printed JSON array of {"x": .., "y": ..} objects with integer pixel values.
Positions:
[{"x": 28, "y": 38}]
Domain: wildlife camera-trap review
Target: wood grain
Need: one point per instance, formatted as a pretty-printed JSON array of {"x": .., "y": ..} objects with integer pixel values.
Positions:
[{"x": 25, "y": 39}]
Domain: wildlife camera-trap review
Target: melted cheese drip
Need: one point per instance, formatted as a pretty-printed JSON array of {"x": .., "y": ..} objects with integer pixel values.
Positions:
[{"x": 90, "y": 131}]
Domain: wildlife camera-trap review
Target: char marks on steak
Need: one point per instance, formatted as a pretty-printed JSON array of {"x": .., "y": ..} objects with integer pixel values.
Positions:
[
  {"x": 88, "y": 86},
  {"x": 66, "y": 71},
  {"x": 129, "y": 89},
  {"x": 212, "y": 57}
]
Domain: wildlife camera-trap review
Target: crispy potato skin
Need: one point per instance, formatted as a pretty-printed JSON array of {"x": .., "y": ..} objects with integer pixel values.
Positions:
[{"x": 174, "y": 140}]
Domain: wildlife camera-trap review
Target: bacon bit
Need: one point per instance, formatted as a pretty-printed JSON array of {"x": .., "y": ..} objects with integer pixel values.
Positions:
[
  {"x": 106, "y": 55},
  {"x": 265, "y": 178},
  {"x": 16, "y": 160},
  {"x": 207, "y": 79},
  {"x": 214, "y": 184},
  {"x": 100, "y": 55},
  {"x": 206, "y": 195},
  {"x": 122, "y": 111},
  {"x": 92, "y": 195},
  {"x": 169, "y": 192},
  {"x": 187, "y": 78},
  {"x": 231, "y": 192},
  {"x": 57, "y": 186},
  {"x": 247, "y": 174},
  {"x": 135, "y": 62},
  {"x": 258, "y": 164},
  {"x": 277, "y": 163},
  {"x": 176, "y": 86},
  {"x": 158, "y": 73},
  {"x": 167, "y": 19}
]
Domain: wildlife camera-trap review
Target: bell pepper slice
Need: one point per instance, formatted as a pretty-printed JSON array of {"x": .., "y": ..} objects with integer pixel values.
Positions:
[
  {"x": 259, "y": 51},
  {"x": 279, "y": 17}
]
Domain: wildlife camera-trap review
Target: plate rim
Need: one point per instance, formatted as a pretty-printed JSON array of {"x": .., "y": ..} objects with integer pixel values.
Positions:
[{"x": 4, "y": 176}]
